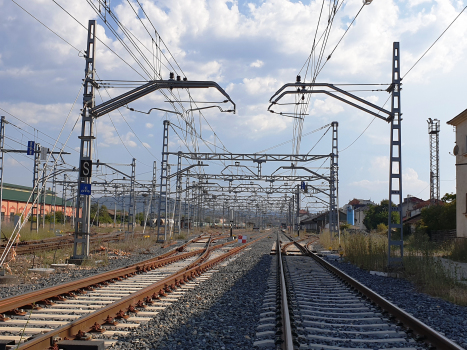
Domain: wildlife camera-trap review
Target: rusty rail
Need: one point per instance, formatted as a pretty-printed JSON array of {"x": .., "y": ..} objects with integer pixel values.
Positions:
[
  {"x": 428, "y": 334},
  {"x": 285, "y": 314},
  {"x": 26, "y": 300},
  {"x": 147, "y": 294}
]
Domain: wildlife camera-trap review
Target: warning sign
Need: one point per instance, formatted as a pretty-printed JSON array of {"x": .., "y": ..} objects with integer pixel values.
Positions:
[{"x": 242, "y": 239}]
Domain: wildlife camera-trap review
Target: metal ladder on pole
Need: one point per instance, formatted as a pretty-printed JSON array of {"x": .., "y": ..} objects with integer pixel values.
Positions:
[
  {"x": 333, "y": 224},
  {"x": 395, "y": 167},
  {"x": 163, "y": 185}
]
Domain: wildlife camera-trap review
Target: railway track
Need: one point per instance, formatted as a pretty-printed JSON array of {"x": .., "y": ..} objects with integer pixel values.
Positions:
[
  {"x": 319, "y": 307},
  {"x": 111, "y": 303},
  {"x": 30, "y": 247}
]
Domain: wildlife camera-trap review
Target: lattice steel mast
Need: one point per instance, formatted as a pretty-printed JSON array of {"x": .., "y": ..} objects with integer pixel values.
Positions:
[
  {"x": 83, "y": 202},
  {"x": 395, "y": 164},
  {"x": 433, "y": 132}
]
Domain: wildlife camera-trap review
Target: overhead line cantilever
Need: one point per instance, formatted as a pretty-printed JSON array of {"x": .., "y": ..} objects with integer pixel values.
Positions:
[
  {"x": 152, "y": 86},
  {"x": 331, "y": 86}
]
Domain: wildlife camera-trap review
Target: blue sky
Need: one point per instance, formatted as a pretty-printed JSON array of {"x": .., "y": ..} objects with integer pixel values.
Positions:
[{"x": 251, "y": 48}]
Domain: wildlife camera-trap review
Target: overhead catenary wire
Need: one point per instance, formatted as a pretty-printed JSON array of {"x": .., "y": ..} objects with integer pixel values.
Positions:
[
  {"x": 439, "y": 37},
  {"x": 85, "y": 28},
  {"x": 21, "y": 223},
  {"x": 35, "y": 130},
  {"x": 58, "y": 35},
  {"x": 134, "y": 133}
]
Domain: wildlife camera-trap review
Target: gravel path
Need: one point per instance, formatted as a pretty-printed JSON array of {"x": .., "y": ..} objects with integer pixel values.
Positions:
[
  {"x": 221, "y": 313},
  {"x": 443, "y": 316},
  {"x": 76, "y": 274}
]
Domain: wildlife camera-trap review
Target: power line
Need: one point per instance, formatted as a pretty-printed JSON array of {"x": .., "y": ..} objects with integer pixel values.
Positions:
[
  {"x": 32, "y": 134},
  {"x": 129, "y": 65},
  {"x": 449, "y": 26},
  {"x": 134, "y": 133},
  {"x": 79, "y": 51},
  {"x": 366, "y": 127}
]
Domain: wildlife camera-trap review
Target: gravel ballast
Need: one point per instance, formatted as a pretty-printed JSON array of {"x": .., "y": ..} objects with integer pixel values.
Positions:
[
  {"x": 444, "y": 317},
  {"x": 78, "y": 273},
  {"x": 221, "y": 313}
]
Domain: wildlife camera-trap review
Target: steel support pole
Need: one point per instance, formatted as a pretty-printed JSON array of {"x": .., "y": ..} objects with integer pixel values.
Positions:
[
  {"x": 83, "y": 202},
  {"x": 333, "y": 223},
  {"x": 163, "y": 184},
  {"x": 64, "y": 199},
  {"x": 231, "y": 222},
  {"x": 132, "y": 206},
  {"x": 153, "y": 196},
  {"x": 35, "y": 186},
  {"x": 54, "y": 190},
  {"x": 115, "y": 208},
  {"x": 187, "y": 206},
  {"x": 433, "y": 132},
  {"x": 395, "y": 166},
  {"x": 298, "y": 210},
  {"x": 2, "y": 146},
  {"x": 178, "y": 195},
  {"x": 44, "y": 193}
]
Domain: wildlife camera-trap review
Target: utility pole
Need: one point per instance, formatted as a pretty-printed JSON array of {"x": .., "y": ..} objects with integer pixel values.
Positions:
[
  {"x": 395, "y": 162},
  {"x": 231, "y": 222},
  {"x": 298, "y": 210},
  {"x": 153, "y": 197},
  {"x": 132, "y": 207},
  {"x": 54, "y": 190},
  {"x": 163, "y": 185},
  {"x": 2, "y": 145},
  {"x": 35, "y": 186},
  {"x": 433, "y": 132},
  {"x": 64, "y": 199},
  {"x": 83, "y": 197},
  {"x": 333, "y": 218},
  {"x": 178, "y": 196}
]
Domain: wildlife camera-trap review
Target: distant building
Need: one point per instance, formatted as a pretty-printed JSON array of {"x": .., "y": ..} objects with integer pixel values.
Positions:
[
  {"x": 15, "y": 198},
  {"x": 460, "y": 151},
  {"x": 360, "y": 207},
  {"x": 412, "y": 210},
  {"x": 319, "y": 221},
  {"x": 411, "y": 206}
]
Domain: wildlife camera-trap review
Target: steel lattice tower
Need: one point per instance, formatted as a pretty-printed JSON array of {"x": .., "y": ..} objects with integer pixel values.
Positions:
[{"x": 433, "y": 132}]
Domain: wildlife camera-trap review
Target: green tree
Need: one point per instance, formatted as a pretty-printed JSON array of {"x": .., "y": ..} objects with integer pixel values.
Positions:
[
  {"x": 104, "y": 216},
  {"x": 378, "y": 214},
  {"x": 441, "y": 216}
]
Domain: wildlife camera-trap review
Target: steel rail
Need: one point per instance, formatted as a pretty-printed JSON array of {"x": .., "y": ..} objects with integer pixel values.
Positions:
[
  {"x": 286, "y": 324},
  {"x": 161, "y": 287},
  {"x": 28, "y": 299},
  {"x": 428, "y": 334},
  {"x": 288, "y": 244},
  {"x": 307, "y": 246}
]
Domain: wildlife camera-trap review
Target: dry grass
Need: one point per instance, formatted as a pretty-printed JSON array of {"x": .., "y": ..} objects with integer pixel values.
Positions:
[
  {"x": 422, "y": 263},
  {"x": 458, "y": 251},
  {"x": 26, "y": 234}
]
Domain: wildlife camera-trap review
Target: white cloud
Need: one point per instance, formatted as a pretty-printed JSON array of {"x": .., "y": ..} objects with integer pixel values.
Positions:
[
  {"x": 260, "y": 85},
  {"x": 14, "y": 162},
  {"x": 370, "y": 185},
  {"x": 255, "y": 64},
  {"x": 40, "y": 114},
  {"x": 147, "y": 145},
  {"x": 326, "y": 106},
  {"x": 223, "y": 41},
  {"x": 411, "y": 182}
]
